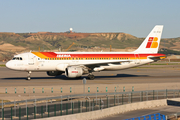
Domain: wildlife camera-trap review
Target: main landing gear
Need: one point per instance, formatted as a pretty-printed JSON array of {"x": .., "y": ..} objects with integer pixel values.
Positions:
[
  {"x": 29, "y": 75},
  {"x": 91, "y": 76}
]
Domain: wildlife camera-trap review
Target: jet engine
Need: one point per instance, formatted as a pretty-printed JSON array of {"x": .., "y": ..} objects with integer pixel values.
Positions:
[
  {"x": 54, "y": 73},
  {"x": 74, "y": 72}
]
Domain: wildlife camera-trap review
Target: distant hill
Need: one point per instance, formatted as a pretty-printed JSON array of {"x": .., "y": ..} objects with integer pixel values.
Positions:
[{"x": 12, "y": 43}]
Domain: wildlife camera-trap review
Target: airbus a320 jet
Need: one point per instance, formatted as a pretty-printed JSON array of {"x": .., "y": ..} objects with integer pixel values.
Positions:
[{"x": 76, "y": 64}]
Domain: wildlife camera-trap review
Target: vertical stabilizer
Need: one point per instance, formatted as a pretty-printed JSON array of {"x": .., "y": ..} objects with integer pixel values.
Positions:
[{"x": 152, "y": 41}]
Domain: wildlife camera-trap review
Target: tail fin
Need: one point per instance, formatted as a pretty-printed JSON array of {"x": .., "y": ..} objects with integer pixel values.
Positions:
[{"x": 152, "y": 41}]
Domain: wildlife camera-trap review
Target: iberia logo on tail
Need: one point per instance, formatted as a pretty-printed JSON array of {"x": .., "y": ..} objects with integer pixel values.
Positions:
[{"x": 152, "y": 42}]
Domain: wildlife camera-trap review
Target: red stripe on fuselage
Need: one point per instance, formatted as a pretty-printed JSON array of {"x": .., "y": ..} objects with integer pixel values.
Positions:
[{"x": 54, "y": 55}]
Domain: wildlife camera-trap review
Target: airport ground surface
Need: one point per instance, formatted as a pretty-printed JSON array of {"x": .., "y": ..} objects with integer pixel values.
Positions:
[{"x": 147, "y": 77}]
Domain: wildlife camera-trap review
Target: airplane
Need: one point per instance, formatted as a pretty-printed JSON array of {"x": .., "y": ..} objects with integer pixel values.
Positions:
[{"x": 76, "y": 64}]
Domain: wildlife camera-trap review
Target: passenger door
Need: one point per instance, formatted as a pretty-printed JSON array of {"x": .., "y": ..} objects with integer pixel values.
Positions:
[{"x": 30, "y": 60}]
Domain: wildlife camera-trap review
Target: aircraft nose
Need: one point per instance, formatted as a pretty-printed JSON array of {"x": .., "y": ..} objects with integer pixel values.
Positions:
[{"x": 9, "y": 65}]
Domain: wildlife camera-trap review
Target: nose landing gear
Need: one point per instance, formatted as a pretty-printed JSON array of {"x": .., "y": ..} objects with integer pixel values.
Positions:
[{"x": 29, "y": 75}]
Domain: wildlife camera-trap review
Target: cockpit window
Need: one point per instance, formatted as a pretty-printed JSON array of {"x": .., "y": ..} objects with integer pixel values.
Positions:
[{"x": 17, "y": 58}]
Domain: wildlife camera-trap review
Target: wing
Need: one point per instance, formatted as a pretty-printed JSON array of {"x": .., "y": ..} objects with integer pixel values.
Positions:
[{"x": 98, "y": 64}]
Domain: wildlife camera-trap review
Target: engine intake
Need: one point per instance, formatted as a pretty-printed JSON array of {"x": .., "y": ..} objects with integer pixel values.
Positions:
[{"x": 73, "y": 72}]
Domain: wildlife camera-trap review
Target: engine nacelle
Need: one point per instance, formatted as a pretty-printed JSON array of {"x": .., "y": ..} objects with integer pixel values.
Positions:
[
  {"x": 73, "y": 72},
  {"x": 54, "y": 73}
]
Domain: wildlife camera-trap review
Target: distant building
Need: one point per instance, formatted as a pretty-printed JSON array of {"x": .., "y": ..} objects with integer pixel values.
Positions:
[{"x": 70, "y": 30}]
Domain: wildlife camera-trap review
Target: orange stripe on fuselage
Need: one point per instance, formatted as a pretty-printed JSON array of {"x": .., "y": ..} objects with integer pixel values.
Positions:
[{"x": 39, "y": 54}]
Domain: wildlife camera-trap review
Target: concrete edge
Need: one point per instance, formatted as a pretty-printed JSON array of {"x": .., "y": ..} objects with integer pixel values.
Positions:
[{"x": 111, "y": 111}]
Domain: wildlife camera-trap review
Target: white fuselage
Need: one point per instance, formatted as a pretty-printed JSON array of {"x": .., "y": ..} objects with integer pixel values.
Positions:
[{"x": 31, "y": 62}]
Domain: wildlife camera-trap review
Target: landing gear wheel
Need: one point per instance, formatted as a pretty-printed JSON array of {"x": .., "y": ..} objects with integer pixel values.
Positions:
[
  {"x": 28, "y": 78},
  {"x": 29, "y": 75},
  {"x": 91, "y": 77}
]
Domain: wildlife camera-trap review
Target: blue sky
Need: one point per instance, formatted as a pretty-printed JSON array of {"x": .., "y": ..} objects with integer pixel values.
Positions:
[{"x": 136, "y": 17}]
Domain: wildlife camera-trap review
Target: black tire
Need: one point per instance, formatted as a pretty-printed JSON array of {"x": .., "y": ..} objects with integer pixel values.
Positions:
[
  {"x": 91, "y": 77},
  {"x": 28, "y": 78}
]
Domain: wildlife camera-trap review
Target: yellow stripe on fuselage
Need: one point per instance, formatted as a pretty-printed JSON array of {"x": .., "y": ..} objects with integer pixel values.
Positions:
[{"x": 40, "y": 55}]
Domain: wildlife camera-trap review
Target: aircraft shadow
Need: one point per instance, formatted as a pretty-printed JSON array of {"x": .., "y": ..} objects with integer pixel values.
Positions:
[
  {"x": 63, "y": 77},
  {"x": 121, "y": 75}
]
